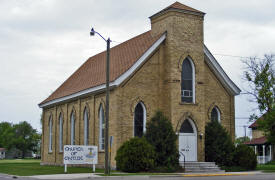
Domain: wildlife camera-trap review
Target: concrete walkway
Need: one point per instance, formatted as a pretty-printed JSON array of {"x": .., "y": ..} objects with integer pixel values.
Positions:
[{"x": 90, "y": 175}]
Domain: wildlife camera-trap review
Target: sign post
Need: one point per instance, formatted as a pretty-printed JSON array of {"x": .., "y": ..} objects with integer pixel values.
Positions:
[{"x": 76, "y": 154}]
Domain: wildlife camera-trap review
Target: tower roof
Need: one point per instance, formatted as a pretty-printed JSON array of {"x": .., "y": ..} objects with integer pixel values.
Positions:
[{"x": 177, "y": 6}]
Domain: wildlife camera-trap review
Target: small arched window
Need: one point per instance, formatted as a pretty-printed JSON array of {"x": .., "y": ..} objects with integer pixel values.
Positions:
[
  {"x": 60, "y": 132},
  {"x": 72, "y": 128},
  {"x": 186, "y": 127},
  {"x": 86, "y": 127},
  {"x": 101, "y": 128},
  {"x": 187, "y": 81},
  {"x": 139, "y": 120},
  {"x": 50, "y": 134},
  {"x": 215, "y": 114}
]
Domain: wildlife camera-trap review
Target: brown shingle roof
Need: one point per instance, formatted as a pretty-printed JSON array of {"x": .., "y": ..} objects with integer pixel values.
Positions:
[
  {"x": 179, "y": 6},
  {"x": 260, "y": 140},
  {"x": 92, "y": 72}
]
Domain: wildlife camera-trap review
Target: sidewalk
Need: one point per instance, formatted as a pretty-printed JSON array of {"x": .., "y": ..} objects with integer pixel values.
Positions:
[{"x": 90, "y": 175}]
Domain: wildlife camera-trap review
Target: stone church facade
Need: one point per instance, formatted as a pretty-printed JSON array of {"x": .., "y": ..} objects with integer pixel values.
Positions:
[{"x": 167, "y": 68}]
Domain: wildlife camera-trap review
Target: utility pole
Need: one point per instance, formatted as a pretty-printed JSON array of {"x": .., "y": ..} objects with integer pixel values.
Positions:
[{"x": 106, "y": 136}]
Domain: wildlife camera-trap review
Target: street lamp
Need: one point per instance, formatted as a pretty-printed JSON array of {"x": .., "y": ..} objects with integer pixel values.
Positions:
[{"x": 92, "y": 33}]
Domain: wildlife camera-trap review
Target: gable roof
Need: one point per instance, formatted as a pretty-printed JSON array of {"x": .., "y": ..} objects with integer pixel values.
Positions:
[
  {"x": 219, "y": 72},
  {"x": 90, "y": 77},
  {"x": 179, "y": 7}
]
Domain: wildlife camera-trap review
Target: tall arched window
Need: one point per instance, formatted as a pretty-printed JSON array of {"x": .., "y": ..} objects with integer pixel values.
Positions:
[
  {"x": 72, "y": 128},
  {"x": 188, "y": 81},
  {"x": 60, "y": 133},
  {"x": 101, "y": 128},
  {"x": 86, "y": 127},
  {"x": 139, "y": 120},
  {"x": 50, "y": 134},
  {"x": 215, "y": 114}
]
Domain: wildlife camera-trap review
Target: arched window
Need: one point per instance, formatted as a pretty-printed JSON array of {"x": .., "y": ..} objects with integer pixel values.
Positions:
[
  {"x": 72, "y": 128},
  {"x": 186, "y": 127},
  {"x": 215, "y": 114},
  {"x": 101, "y": 128},
  {"x": 86, "y": 127},
  {"x": 60, "y": 133},
  {"x": 139, "y": 120},
  {"x": 50, "y": 134},
  {"x": 188, "y": 81}
]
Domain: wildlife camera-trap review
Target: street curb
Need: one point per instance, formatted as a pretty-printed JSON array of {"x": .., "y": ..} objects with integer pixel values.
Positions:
[{"x": 224, "y": 174}]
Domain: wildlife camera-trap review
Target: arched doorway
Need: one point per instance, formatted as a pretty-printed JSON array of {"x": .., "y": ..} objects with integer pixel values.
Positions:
[{"x": 188, "y": 141}]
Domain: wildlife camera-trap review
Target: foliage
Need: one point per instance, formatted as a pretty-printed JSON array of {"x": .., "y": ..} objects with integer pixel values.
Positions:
[
  {"x": 245, "y": 157},
  {"x": 30, "y": 167},
  {"x": 135, "y": 155},
  {"x": 26, "y": 137},
  {"x": 20, "y": 136},
  {"x": 218, "y": 144},
  {"x": 261, "y": 79},
  {"x": 241, "y": 140},
  {"x": 6, "y": 135},
  {"x": 161, "y": 136}
]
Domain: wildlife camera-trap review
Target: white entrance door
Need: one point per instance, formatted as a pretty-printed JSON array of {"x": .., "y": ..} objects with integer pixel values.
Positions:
[{"x": 188, "y": 141}]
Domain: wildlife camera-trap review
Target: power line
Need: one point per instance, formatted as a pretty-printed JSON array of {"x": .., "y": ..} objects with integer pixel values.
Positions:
[{"x": 235, "y": 56}]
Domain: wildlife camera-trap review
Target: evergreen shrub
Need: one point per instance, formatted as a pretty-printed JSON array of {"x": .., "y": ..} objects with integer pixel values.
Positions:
[
  {"x": 245, "y": 157},
  {"x": 135, "y": 155},
  {"x": 219, "y": 147},
  {"x": 160, "y": 134}
]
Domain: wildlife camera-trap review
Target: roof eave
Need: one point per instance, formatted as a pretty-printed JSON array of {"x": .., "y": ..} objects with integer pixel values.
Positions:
[
  {"x": 113, "y": 84},
  {"x": 219, "y": 72}
]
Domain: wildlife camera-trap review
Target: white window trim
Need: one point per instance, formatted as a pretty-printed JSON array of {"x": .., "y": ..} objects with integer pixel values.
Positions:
[
  {"x": 60, "y": 133},
  {"x": 86, "y": 126},
  {"x": 193, "y": 79},
  {"x": 72, "y": 128},
  {"x": 50, "y": 134},
  {"x": 101, "y": 136},
  {"x": 144, "y": 118}
]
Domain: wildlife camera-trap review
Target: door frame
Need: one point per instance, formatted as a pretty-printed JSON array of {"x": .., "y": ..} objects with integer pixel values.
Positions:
[{"x": 190, "y": 134}]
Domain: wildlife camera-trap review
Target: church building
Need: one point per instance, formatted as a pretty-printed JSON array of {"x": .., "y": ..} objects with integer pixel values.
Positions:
[{"x": 167, "y": 68}]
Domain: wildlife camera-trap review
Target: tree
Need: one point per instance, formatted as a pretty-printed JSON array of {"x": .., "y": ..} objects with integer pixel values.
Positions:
[
  {"x": 6, "y": 135},
  {"x": 26, "y": 137},
  {"x": 160, "y": 134},
  {"x": 260, "y": 76},
  {"x": 218, "y": 144},
  {"x": 241, "y": 140}
]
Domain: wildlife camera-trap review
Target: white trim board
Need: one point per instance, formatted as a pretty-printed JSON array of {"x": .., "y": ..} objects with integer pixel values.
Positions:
[
  {"x": 219, "y": 72},
  {"x": 115, "y": 83}
]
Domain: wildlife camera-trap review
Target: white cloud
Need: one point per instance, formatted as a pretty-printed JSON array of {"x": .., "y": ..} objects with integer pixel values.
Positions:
[{"x": 45, "y": 41}]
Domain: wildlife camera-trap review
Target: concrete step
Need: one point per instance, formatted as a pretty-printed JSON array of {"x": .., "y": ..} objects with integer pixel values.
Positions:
[{"x": 201, "y": 167}]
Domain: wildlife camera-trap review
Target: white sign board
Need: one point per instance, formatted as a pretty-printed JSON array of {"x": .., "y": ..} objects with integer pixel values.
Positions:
[{"x": 76, "y": 154}]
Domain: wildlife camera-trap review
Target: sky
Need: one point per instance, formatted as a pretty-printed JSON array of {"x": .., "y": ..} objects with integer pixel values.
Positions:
[{"x": 43, "y": 42}]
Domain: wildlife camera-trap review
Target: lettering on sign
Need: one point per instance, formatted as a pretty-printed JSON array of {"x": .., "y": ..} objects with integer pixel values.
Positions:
[{"x": 74, "y": 154}]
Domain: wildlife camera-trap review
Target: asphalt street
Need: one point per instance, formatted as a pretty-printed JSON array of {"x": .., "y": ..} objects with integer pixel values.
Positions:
[{"x": 270, "y": 176}]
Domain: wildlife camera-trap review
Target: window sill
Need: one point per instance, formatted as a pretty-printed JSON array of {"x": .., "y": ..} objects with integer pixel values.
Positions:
[
  {"x": 186, "y": 103},
  {"x": 101, "y": 151},
  {"x": 50, "y": 152},
  {"x": 60, "y": 152}
]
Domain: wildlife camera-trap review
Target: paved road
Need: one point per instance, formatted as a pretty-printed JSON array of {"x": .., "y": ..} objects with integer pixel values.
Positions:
[{"x": 243, "y": 177}]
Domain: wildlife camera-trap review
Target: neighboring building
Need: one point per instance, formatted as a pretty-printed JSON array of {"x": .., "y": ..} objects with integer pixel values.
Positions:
[
  {"x": 167, "y": 68},
  {"x": 263, "y": 149},
  {"x": 2, "y": 153}
]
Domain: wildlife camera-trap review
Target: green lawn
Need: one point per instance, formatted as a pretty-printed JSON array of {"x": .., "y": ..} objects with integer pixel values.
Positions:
[
  {"x": 29, "y": 167},
  {"x": 269, "y": 167}
]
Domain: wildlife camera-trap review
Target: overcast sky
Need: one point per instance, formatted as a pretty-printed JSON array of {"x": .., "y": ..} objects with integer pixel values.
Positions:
[{"x": 43, "y": 42}]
